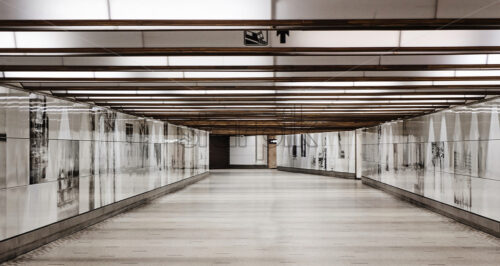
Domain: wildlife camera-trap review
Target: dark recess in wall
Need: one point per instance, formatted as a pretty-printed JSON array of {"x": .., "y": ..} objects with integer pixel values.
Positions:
[{"x": 219, "y": 152}]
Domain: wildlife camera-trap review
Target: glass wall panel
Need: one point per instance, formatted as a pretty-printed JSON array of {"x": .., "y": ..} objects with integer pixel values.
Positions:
[{"x": 59, "y": 158}]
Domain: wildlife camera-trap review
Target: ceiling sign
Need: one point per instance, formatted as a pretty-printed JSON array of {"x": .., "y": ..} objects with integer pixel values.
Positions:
[{"x": 256, "y": 38}]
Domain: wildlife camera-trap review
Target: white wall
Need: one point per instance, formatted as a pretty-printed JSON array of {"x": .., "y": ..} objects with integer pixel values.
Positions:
[
  {"x": 331, "y": 151},
  {"x": 451, "y": 156},
  {"x": 59, "y": 159},
  {"x": 248, "y": 150}
]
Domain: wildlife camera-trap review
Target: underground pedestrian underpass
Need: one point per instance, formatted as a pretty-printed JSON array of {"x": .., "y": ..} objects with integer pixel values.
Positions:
[{"x": 271, "y": 132}]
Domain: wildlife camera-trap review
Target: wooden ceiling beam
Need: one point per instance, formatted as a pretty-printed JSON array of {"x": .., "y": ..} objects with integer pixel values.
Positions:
[
  {"x": 265, "y": 68},
  {"x": 297, "y": 109},
  {"x": 208, "y": 51},
  {"x": 271, "y": 118},
  {"x": 267, "y": 131},
  {"x": 252, "y": 79},
  {"x": 274, "y": 113},
  {"x": 278, "y": 88},
  {"x": 222, "y": 100},
  {"x": 264, "y": 123},
  {"x": 123, "y": 103},
  {"x": 276, "y": 95},
  {"x": 330, "y": 24},
  {"x": 286, "y": 116}
]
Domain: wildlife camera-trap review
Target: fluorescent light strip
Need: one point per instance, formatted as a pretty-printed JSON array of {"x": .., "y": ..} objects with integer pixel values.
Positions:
[
  {"x": 246, "y": 74},
  {"x": 333, "y": 102},
  {"x": 276, "y": 98}
]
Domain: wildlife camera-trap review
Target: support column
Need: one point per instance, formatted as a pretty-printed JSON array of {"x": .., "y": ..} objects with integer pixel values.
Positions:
[{"x": 271, "y": 152}]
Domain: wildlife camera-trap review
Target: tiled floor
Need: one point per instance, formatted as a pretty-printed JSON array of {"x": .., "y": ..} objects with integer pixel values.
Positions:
[{"x": 264, "y": 217}]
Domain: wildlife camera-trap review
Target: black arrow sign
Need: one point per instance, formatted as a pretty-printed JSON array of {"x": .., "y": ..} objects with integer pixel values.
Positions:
[{"x": 283, "y": 34}]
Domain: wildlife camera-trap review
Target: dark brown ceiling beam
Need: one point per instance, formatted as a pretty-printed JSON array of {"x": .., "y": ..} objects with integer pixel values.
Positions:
[
  {"x": 292, "y": 108},
  {"x": 299, "y": 116},
  {"x": 138, "y": 88},
  {"x": 274, "y": 113},
  {"x": 269, "y": 118},
  {"x": 253, "y": 79},
  {"x": 292, "y": 116},
  {"x": 221, "y": 100},
  {"x": 263, "y": 111},
  {"x": 111, "y": 104},
  {"x": 320, "y": 51},
  {"x": 331, "y": 24},
  {"x": 267, "y": 95},
  {"x": 277, "y": 129},
  {"x": 180, "y": 120},
  {"x": 266, "y": 131},
  {"x": 267, "y": 68},
  {"x": 260, "y": 123}
]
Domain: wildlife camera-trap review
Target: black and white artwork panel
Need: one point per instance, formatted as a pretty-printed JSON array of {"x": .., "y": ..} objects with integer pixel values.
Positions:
[
  {"x": 17, "y": 209},
  {"x": 67, "y": 158},
  {"x": 3, "y": 213},
  {"x": 441, "y": 156},
  {"x": 17, "y": 162},
  {"x": 3, "y": 163},
  {"x": 485, "y": 198},
  {"x": 84, "y": 194},
  {"x": 17, "y": 114},
  {"x": 3, "y": 138}
]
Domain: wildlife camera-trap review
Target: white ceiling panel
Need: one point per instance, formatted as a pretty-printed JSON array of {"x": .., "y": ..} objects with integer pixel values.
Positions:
[
  {"x": 116, "y": 60},
  {"x": 354, "y": 9},
  {"x": 392, "y": 83},
  {"x": 247, "y": 60},
  {"x": 53, "y": 9},
  {"x": 332, "y": 74},
  {"x": 77, "y": 39},
  {"x": 228, "y": 74},
  {"x": 250, "y": 60},
  {"x": 31, "y": 60},
  {"x": 327, "y": 60},
  {"x": 338, "y": 39},
  {"x": 312, "y": 39},
  {"x": 139, "y": 75},
  {"x": 450, "y": 38},
  {"x": 193, "y": 39},
  {"x": 478, "y": 73},
  {"x": 247, "y": 9},
  {"x": 468, "y": 9},
  {"x": 48, "y": 74},
  {"x": 189, "y": 9},
  {"x": 494, "y": 59},
  {"x": 433, "y": 59},
  {"x": 7, "y": 40},
  {"x": 409, "y": 73}
]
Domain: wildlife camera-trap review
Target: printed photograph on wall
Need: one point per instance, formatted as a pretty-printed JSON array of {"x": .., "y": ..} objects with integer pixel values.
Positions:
[
  {"x": 3, "y": 147},
  {"x": 144, "y": 145},
  {"x": 462, "y": 191},
  {"x": 129, "y": 132},
  {"x": 303, "y": 145},
  {"x": 68, "y": 178},
  {"x": 92, "y": 165},
  {"x": 39, "y": 138},
  {"x": 438, "y": 155},
  {"x": 181, "y": 148},
  {"x": 341, "y": 147},
  {"x": 157, "y": 147}
]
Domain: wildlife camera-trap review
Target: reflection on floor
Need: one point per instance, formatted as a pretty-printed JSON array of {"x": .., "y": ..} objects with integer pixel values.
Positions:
[{"x": 264, "y": 217}]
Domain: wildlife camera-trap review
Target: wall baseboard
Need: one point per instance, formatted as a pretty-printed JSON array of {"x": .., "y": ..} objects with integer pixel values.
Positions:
[
  {"x": 18, "y": 245},
  {"x": 476, "y": 221},
  {"x": 238, "y": 166},
  {"x": 318, "y": 172}
]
